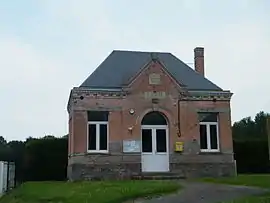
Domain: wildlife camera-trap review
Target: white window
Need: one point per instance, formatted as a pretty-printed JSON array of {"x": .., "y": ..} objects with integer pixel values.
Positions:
[
  {"x": 98, "y": 132},
  {"x": 209, "y": 136}
]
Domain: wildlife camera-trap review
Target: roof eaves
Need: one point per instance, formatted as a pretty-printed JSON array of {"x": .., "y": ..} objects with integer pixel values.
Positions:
[
  {"x": 69, "y": 101},
  {"x": 116, "y": 89},
  {"x": 211, "y": 92}
]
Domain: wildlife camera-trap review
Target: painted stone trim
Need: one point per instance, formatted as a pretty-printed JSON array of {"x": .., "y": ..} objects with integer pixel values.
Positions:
[
  {"x": 99, "y": 108},
  {"x": 121, "y": 93},
  {"x": 77, "y": 94}
]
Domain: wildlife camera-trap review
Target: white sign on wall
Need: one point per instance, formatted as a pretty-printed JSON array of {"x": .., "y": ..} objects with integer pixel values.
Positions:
[
  {"x": 154, "y": 95},
  {"x": 131, "y": 146},
  {"x": 154, "y": 79}
]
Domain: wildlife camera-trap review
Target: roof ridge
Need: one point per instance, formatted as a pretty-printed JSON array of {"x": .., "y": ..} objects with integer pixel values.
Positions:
[{"x": 137, "y": 51}]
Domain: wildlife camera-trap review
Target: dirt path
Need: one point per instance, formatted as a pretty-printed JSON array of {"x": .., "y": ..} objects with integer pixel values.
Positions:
[{"x": 194, "y": 192}]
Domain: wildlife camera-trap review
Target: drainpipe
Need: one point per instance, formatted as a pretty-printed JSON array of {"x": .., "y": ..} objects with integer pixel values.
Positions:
[
  {"x": 178, "y": 118},
  {"x": 182, "y": 94}
]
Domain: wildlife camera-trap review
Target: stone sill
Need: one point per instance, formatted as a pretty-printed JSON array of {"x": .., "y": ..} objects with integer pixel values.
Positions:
[
  {"x": 197, "y": 153},
  {"x": 210, "y": 153},
  {"x": 90, "y": 153},
  {"x": 106, "y": 154},
  {"x": 98, "y": 153}
]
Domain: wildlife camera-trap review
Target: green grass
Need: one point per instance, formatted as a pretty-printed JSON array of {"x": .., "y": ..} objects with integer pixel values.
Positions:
[
  {"x": 86, "y": 192},
  {"x": 247, "y": 180}
]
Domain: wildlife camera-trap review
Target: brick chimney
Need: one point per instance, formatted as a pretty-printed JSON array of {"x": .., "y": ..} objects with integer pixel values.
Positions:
[{"x": 199, "y": 60}]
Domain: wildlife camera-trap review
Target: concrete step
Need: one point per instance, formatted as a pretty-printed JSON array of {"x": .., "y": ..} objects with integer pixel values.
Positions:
[{"x": 157, "y": 176}]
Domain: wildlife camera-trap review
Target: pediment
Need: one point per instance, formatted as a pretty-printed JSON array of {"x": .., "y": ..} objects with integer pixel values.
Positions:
[{"x": 154, "y": 77}]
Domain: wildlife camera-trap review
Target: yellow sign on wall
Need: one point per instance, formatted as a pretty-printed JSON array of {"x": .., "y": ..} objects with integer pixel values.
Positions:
[{"x": 179, "y": 146}]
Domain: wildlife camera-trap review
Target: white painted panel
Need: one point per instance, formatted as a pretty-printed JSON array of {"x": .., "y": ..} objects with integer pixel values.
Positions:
[
  {"x": 1, "y": 177},
  {"x": 5, "y": 175}
]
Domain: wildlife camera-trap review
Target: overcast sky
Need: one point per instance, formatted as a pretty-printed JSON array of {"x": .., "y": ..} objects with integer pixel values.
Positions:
[{"x": 49, "y": 46}]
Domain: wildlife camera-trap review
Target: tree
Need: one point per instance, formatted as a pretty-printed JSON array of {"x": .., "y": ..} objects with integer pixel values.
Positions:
[
  {"x": 37, "y": 159},
  {"x": 248, "y": 129},
  {"x": 2, "y": 141},
  {"x": 251, "y": 144},
  {"x": 16, "y": 154},
  {"x": 3, "y": 149},
  {"x": 46, "y": 158}
]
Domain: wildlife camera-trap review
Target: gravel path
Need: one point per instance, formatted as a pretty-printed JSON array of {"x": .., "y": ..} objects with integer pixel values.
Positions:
[{"x": 194, "y": 192}]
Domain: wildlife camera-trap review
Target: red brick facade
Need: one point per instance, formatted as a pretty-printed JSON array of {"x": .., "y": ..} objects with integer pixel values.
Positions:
[{"x": 120, "y": 121}]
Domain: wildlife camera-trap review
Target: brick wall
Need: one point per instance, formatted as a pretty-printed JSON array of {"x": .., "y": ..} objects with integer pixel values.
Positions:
[{"x": 120, "y": 120}]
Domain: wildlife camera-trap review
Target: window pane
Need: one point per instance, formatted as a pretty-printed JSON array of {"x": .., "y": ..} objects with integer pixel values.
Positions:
[
  {"x": 213, "y": 137},
  {"x": 161, "y": 140},
  {"x": 103, "y": 137},
  {"x": 97, "y": 115},
  {"x": 203, "y": 137},
  {"x": 147, "y": 140},
  {"x": 208, "y": 117},
  {"x": 92, "y": 131}
]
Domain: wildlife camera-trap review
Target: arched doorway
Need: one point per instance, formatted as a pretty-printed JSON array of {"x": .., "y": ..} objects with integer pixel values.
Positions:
[{"x": 155, "y": 143}]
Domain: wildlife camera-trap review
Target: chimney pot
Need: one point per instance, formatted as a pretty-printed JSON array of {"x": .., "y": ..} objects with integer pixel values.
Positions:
[{"x": 199, "y": 60}]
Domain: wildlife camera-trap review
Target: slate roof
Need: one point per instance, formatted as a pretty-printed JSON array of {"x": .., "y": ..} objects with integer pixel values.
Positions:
[{"x": 116, "y": 70}]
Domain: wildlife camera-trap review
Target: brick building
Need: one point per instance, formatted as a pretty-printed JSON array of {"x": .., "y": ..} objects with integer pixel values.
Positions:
[{"x": 142, "y": 112}]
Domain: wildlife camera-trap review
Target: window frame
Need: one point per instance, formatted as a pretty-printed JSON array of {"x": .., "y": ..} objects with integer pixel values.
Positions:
[
  {"x": 208, "y": 137},
  {"x": 98, "y": 123}
]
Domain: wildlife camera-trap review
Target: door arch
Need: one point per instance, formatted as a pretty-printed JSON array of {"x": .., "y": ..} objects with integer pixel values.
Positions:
[
  {"x": 154, "y": 118},
  {"x": 154, "y": 138}
]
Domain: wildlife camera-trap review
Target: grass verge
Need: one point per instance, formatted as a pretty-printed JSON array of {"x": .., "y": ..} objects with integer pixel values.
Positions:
[
  {"x": 246, "y": 180},
  {"x": 97, "y": 192}
]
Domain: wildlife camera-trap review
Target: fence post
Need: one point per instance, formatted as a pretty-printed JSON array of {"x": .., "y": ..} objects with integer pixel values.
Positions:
[{"x": 8, "y": 176}]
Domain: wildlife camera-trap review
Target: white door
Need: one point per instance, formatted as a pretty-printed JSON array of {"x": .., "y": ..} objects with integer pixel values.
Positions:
[{"x": 155, "y": 156}]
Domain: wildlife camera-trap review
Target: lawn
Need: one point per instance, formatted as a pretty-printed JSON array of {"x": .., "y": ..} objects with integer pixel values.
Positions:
[
  {"x": 86, "y": 192},
  {"x": 247, "y": 180}
]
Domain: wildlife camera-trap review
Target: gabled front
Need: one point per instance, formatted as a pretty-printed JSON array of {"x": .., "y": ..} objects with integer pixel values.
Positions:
[{"x": 142, "y": 113}]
